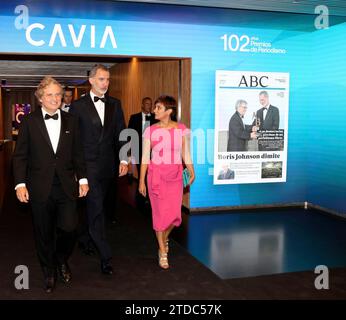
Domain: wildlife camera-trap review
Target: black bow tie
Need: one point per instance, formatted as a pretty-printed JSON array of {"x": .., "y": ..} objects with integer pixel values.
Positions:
[
  {"x": 147, "y": 117},
  {"x": 98, "y": 98},
  {"x": 54, "y": 116}
]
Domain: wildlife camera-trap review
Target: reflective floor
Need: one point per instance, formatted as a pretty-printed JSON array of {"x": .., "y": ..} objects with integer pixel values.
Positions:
[{"x": 235, "y": 245}]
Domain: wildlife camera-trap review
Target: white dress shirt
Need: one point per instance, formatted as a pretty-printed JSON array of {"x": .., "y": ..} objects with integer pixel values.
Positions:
[
  {"x": 100, "y": 107},
  {"x": 265, "y": 111},
  {"x": 65, "y": 107},
  {"x": 145, "y": 123},
  {"x": 53, "y": 128}
]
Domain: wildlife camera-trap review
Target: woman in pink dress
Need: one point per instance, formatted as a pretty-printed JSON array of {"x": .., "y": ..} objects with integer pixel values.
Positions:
[{"x": 168, "y": 144}]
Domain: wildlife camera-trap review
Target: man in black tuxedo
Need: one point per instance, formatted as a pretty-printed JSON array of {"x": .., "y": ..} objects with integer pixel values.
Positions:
[
  {"x": 48, "y": 161},
  {"x": 238, "y": 133},
  {"x": 268, "y": 116},
  {"x": 139, "y": 122},
  {"x": 67, "y": 99},
  {"x": 101, "y": 120}
]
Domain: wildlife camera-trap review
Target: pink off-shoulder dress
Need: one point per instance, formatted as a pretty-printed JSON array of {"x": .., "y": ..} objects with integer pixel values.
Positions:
[{"x": 165, "y": 181}]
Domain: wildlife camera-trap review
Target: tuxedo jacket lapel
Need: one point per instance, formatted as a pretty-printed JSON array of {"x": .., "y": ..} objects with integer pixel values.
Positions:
[
  {"x": 94, "y": 116},
  {"x": 269, "y": 112},
  {"x": 138, "y": 123},
  {"x": 240, "y": 120},
  {"x": 91, "y": 109},
  {"x": 63, "y": 132},
  {"x": 109, "y": 110},
  {"x": 42, "y": 127},
  {"x": 266, "y": 120}
]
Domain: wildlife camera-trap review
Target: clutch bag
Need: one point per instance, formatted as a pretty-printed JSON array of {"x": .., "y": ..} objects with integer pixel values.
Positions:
[{"x": 186, "y": 177}]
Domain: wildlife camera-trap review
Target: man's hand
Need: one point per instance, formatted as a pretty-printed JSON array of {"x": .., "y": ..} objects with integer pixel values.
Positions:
[
  {"x": 123, "y": 168},
  {"x": 22, "y": 194},
  {"x": 83, "y": 190}
]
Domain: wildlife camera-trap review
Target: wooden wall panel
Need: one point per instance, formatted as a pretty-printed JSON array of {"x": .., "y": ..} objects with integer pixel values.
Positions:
[
  {"x": 186, "y": 108},
  {"x": 186, "y": 92},
  {"x": 132, "y": 81},
  {"x": 81, "y": 90}
]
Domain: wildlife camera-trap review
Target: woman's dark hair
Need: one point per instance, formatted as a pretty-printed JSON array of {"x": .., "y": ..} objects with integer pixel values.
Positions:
[{"x": 169, "y": 103}]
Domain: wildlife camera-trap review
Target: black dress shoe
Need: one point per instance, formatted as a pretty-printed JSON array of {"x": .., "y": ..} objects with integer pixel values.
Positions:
[
  {"x": 49, "y": 284},
  {"x": 64, "y": 272},
  {"x": 106, "y": 268}
]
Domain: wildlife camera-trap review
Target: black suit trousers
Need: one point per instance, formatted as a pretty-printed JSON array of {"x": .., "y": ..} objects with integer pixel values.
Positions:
[
  {"x": 96, "y": 214},
  {"x": 54, "y": 223}
]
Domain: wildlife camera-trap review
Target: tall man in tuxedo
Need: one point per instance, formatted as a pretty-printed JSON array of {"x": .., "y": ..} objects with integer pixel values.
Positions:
[
  {"x": 48, "y": 162},
  {"x": 139, "y": 122},
  {"x": 238, "y": 133},
  {"x": 101, "y": 120},
  {"x": 268, "y": 116}
]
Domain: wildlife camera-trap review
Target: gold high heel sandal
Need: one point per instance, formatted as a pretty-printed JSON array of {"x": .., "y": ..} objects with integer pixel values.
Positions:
[{"x": 163, "y": 260}]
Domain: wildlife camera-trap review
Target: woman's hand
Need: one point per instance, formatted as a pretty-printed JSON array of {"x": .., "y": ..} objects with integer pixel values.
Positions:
[
  {"x": 142, "y": 188},
  {"x": 192, "y": 176}
]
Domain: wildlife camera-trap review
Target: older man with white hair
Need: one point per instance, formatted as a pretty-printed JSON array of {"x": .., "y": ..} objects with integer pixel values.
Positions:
[{"x": 238, "y": 133}]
